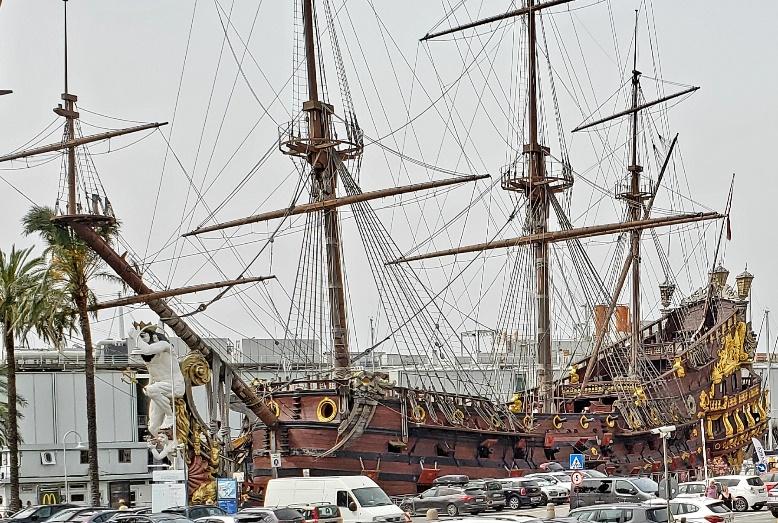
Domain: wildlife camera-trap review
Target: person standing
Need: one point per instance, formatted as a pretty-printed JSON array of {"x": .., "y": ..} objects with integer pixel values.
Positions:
[
  {"x": 726, "y": 497},
  {"x": 711, "y": 490}
]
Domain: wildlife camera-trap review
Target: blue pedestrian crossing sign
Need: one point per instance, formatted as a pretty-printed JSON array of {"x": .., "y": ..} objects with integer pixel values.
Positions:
[
  {"x": 577, "y": 461},
  {"x": 761, "y": 467}
]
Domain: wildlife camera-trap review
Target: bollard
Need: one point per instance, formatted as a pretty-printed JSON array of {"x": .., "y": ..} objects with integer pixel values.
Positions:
[
  {"x": 432, "y": 514},
  {"x": 550, "y": 511}
]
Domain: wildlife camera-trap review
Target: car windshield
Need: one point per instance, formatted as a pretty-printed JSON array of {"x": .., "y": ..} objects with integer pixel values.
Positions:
[
  {"x": 646, "y": 484},
  {"x": 563, "y": 477},
  {"x": 529, "y": 483},
  {"x": 494, "y": 485},
  {"x": 755, "y": 482},
  {"x": 657, "y": 514},
  {"x": 24, "y": 513},
  {"x": 287, "y": 514},
  {"x": 64, "y": 515},
  {"x": 692, "y": 488},
  {"x": 543, "y": 482},
  {"x": 371, "y": 497},
  {"x": 472, "y": 485}
]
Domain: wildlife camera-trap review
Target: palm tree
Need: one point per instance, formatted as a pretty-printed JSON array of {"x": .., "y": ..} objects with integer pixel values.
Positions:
[
  {"x": 74, "y": 265},
  {"x": 22, "y": 279}
]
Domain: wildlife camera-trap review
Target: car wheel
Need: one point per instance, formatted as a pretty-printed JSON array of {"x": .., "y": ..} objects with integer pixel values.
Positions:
[
  {"x": 543, "y": 499},
  {"x": 757, "y": 507},
  {"x": 514, "y": 502},
  {"x": 498, "y": 509},
  {"x": 452, "y": 510},
  {"x": 476, "y": 512},
  {"x": 740, "y": 504},
  {"x": 774, "y": 512}
]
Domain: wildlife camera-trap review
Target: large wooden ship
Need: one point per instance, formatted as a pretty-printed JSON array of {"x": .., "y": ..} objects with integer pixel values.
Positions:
[{"x": 690, "y": 368}]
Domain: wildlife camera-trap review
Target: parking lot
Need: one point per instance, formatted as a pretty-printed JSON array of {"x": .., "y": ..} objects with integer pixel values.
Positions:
[{"x": 762, "y": 516}]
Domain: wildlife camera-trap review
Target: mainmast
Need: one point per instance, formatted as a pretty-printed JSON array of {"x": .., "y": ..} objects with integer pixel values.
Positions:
[
  {"x": 323, "y": 186},
  {"x": 634, "y": 199}
]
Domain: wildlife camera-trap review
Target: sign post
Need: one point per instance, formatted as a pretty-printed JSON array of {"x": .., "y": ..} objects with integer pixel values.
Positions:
[{"x": 577, "y": 478}]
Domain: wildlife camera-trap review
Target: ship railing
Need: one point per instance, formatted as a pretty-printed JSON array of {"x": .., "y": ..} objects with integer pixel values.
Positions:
[{"x": 736, "y": 400}]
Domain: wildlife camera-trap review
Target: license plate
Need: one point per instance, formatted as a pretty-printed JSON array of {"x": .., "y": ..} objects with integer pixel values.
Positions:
[
  {"x": 479, "y": 499},
  {"x": 535, "y": 498}
]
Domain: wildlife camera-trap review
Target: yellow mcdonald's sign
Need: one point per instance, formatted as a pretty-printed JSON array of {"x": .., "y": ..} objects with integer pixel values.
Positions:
[{"x": 49, "y": 498}]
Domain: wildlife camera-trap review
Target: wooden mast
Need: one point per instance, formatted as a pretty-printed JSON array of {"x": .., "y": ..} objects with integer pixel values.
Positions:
[
  {"x": 634, "y": 201},
  {"x": 323, "y": 187}
]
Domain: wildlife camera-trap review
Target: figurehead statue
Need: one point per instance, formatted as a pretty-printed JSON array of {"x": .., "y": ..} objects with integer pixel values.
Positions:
[{"x": 166, "y": 382}]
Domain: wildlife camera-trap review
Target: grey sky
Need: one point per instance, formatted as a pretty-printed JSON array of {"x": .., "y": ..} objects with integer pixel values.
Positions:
[{"x": 126, "y": 61}]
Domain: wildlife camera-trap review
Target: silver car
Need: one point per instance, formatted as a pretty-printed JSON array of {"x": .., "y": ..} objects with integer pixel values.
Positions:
[{"x": 452, "y": 500}]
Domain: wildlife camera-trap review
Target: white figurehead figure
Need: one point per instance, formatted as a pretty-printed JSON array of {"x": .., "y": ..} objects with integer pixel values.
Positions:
[{"x": 165, "y": 379}]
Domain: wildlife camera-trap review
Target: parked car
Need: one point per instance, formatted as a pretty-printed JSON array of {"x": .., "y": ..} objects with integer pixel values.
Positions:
[
  {"x": 452, "y": 500},
  {"x": 614, "y": 490},
  {"x": 495, "y": 497},
  {"x": 83, "y": 515},
  {"x": 38, "y": 513},
  {"x": 126, "y": 516},
  {"x": 521, "y": 492},
  {"x": 216, "y": 519},
  {"x": 560, "y": 479},
  {"x": 550, "y": 490},
  {"x": 770, "y": 480},
  {"x": 621, "y": 513},
  {"x": 269, "y": 515},
  {"x": 451, "y": 480},
  {"x": 747, "y": 491},
  {"x": 140, "y": 511},
  {"x": 197, "y": 511},
  {"x": 701, "y": 510},
  {"x": 318, "y": 512},
  {"x": 588, "y": 473},
  {"x": 691, "y": 489},
  {"x": 772, "y": 502}
]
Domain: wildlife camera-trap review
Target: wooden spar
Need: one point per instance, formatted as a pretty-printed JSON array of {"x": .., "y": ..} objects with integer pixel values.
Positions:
[
  {"x": 572, "y": 234},
  {"x": 335, "y": 202},
  {"x": 143, "y": 298},
  {"x": 624, "y": 271},
  {"x": 635, "y": 109},
  {"x": 133, "y": 280},
  {"x": 75, "y": 142},
  {"x": 496, "y": 18}
]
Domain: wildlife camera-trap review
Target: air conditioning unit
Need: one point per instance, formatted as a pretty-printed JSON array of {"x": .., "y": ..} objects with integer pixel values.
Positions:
[{"x": 48, "y": 458}]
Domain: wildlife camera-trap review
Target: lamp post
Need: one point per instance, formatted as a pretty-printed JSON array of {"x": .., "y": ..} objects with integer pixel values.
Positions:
[
  {"x": 79, "y": 445},
  {"x": 664, "y": 433}
]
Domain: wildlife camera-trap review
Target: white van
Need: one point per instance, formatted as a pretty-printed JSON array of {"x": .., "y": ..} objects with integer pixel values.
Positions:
[{"x": 358, "y": 497}]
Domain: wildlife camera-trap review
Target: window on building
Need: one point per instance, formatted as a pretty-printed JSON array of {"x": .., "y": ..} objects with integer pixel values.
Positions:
[
  {"x": 77, "y": 498},
  {"x": 125, "y": 456},
  {"x": 84, "y": 457}
]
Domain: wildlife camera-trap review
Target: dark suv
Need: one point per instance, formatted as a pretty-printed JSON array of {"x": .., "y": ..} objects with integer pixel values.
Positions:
[
  {"x": 37, "y": 513},
  {"x": 521, "y": 492},
  {"x": 621, "y": 513},
  {"x": 269, "y": 515},
  {"x": 495, "y": 497}
]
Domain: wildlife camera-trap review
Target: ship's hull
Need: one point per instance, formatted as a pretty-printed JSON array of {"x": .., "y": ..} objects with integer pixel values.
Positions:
[{"x": 405, "y": 438}]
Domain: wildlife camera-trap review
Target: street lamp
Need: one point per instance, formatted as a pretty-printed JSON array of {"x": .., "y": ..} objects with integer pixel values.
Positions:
[
  {"x": 664, "y": 433},
  {"x": 79, "y": 445}
]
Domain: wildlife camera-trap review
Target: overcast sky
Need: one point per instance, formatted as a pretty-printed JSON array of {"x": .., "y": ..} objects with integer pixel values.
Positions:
[{"x": 126, "y": 61}]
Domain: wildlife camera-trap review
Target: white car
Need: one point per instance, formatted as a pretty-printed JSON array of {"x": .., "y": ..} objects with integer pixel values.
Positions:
[
  {"x": 691, "y": 489},
  {"x": 701, "y": 510},
  {"x": 550, "y": 489},
  {"x": 216, "y": 519},
  {"x": 747, "y": 491},
  {"x": 559, "y": 479}
]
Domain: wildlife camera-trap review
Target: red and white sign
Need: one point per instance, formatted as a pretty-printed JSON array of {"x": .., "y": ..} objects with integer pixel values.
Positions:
[{"x": 577, "y": 478}]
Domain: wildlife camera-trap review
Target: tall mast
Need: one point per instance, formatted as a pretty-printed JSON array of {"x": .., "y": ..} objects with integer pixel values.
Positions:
[
  {"x": 538, "y": 216},
  {"x": 323, "y": 185},
  {"x": 634, "y": 198}
]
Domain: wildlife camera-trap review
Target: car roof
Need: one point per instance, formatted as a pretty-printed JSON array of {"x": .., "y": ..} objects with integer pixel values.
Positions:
[{"x": 615, "y": 505}]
